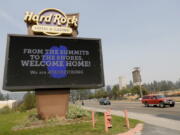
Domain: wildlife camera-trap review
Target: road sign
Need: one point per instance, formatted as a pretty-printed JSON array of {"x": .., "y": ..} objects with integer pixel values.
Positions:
[{"x": 35, "y": 62}]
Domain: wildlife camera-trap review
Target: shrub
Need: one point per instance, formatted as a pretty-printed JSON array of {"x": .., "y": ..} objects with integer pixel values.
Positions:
[
  {"x": 29, "y": 102},
  {"x": 5, "y": 110},
  {"x": 75, "y": 111}
]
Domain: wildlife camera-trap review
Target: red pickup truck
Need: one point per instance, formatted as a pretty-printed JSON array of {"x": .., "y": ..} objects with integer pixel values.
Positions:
[{"x": 158, "y": 100}]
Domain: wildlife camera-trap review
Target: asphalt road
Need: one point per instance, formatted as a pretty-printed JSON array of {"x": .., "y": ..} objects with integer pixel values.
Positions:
[
  {"x": 156, "y": 130},
  {"x": 137, "y": 107}
]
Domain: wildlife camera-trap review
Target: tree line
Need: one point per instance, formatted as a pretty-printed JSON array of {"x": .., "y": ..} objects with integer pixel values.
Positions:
[
  {"x": 106, "y": 92},
  {"x": 163, "y": 85},
  {"x": 113, "y": 92}
]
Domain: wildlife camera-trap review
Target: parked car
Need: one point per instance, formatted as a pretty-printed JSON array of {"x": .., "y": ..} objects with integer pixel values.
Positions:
[
  {"x": 158, "y": 100},
  {"x": 104, "y": 101}
]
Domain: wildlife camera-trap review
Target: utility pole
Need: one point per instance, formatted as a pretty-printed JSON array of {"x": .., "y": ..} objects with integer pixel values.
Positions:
[{"x": 140, "y": 90}]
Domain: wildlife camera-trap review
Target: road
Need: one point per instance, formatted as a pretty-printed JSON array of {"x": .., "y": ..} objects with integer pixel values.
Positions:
[{"x": 137, "y": 107}]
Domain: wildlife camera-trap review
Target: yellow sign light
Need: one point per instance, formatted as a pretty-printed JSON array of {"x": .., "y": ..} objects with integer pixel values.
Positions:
[{"x": 51, "y": 22}]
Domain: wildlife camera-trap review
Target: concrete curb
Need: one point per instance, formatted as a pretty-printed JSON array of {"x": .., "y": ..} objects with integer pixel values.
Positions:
[{"x": 137, "y": 129}]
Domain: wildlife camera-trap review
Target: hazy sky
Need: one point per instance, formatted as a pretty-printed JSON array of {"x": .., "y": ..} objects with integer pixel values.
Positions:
[{"x": 144, "y": 33}]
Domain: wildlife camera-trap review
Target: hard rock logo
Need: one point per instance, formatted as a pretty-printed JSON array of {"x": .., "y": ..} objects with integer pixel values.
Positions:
[{"x": 51, "y": 22}]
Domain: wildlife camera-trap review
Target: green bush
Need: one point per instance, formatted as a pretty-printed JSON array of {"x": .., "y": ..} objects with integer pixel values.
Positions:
[
  {"x": 75, "y": 111},
  {"x": 21, "y": 108},
  {"x": 29, "y": 102},
  {"x": 5, "y": 110}
]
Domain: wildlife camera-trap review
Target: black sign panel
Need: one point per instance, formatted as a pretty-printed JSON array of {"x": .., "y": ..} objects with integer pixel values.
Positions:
[{"x": 36, "y": 62}]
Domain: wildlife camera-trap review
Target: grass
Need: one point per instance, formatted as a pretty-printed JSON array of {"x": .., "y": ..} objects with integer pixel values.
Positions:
[{"x": 8, "y": 121}]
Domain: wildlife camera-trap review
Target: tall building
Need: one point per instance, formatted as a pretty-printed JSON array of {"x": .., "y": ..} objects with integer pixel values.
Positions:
[
  {"x": 137, "y": 79},
  {"x": 122, "y": 82},
  {"x": 136, "y": 76}
]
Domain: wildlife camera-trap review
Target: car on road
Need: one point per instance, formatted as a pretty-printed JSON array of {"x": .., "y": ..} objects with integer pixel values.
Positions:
[
  {"x": 157, "y": 100},
  {"x": 104, "y": 101}
]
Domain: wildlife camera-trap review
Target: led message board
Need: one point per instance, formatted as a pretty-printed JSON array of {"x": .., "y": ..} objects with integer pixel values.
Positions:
[{"x": 38, "y": 62}]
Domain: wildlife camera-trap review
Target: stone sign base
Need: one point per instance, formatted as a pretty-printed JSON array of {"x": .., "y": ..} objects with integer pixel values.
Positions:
[{"x": 52, "y": 103}]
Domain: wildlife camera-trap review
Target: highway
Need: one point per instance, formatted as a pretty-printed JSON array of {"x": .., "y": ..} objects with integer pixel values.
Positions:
[{"x": 138, "y": 107}]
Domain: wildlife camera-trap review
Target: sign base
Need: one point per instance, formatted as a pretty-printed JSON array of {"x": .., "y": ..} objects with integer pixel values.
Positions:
[{"x": 52, "y": 103}]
